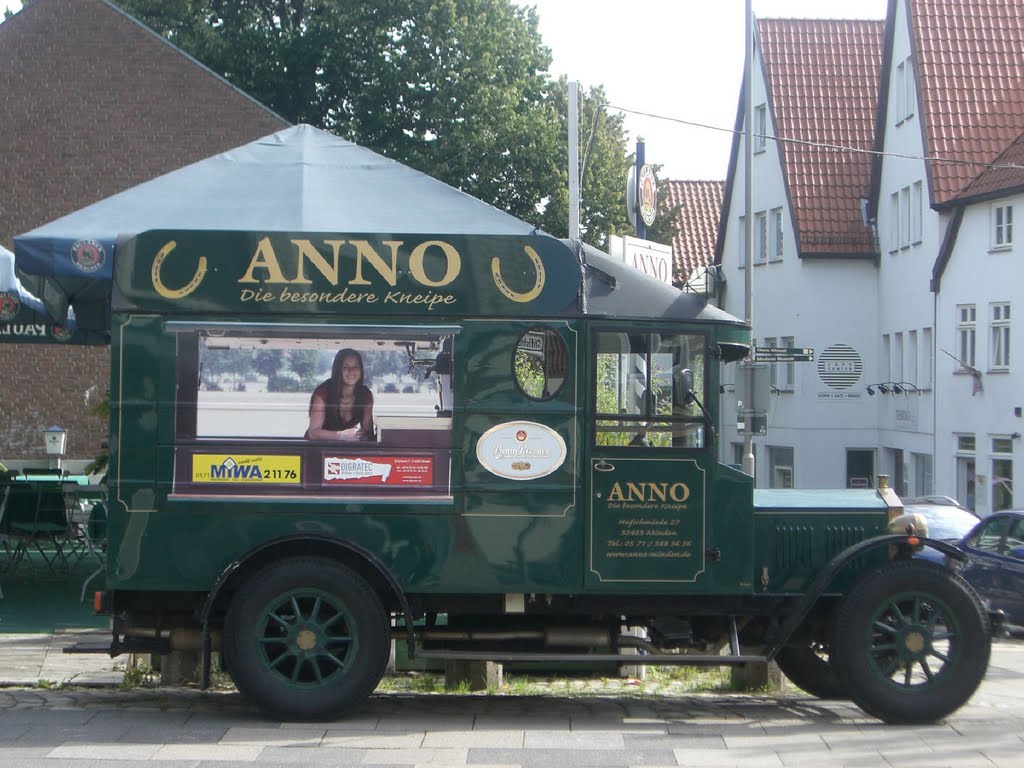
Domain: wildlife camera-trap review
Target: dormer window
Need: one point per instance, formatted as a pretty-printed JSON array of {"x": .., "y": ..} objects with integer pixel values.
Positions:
[{"x": 1002, "y": 227}]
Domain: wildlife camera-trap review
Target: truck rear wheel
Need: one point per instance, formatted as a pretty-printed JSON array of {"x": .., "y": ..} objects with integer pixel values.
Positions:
[
  {"x": 810, "y": 669},
  {"x": 307, "y": 639},
  {"x": 911, "y": 642}
]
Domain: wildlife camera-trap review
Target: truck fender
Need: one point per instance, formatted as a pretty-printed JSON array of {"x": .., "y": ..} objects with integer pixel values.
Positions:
[
  {"x": 905, "y": 544},
  {"x": 338, "y": 545}
]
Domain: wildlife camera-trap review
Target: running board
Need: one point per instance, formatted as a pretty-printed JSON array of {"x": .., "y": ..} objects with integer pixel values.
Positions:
[
  {"x": 648, "y": 660},
  {"x": 86, "y": 646}
]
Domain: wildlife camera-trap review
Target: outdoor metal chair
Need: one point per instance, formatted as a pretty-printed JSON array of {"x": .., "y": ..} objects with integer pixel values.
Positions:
[{"x": 36, "y": 518}]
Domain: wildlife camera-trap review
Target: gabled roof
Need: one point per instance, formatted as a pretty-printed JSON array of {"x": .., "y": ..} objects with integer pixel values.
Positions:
[
  {"x": 822, "y": 78},
  {"x": 1004, "y": 177},
  {"x": 696, "y": 224},
  {"x": 970, "y": 73}
]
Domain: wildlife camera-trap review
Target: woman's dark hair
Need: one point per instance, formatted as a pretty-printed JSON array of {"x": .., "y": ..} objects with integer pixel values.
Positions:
[
  {"x": 336, "y": 366},
  {"x": 331, "y": 391}
]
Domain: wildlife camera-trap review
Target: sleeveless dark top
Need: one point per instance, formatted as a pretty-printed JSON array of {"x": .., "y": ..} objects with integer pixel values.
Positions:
[{"x": 332, "y": 415}]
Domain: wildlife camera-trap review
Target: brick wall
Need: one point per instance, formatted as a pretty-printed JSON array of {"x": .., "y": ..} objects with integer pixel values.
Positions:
[{"x": 91, "y": 103}]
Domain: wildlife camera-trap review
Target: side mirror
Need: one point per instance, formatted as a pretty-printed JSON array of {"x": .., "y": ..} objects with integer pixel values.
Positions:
[
  {"x": 1018, "y": 552},
  {"x": 682, "y": 385}
]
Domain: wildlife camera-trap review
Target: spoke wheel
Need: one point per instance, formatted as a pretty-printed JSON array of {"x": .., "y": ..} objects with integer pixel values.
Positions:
[
  {"x": 307, "y": 639},
  {"x": 911, "y": 643}
]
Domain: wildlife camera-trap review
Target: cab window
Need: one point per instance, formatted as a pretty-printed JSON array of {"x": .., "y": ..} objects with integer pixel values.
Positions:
[{"x": 642, "y": 389}]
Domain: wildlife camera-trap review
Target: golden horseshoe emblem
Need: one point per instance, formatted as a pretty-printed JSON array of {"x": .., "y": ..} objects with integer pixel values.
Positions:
[
  {"x": 507, "y": 292},
  {"x": 175, "y": 293}
]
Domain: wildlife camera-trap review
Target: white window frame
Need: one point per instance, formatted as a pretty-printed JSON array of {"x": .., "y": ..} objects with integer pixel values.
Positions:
[
  {"x": 905, "y": 218},
  {"x": 894, "y": 226},
  {"x": 966, "y": 334},
  {"x": 916, "y": 211},
  {"x": 1002, "y": 227},
  {"x": 773, "y": 373},
  {"x": 913, "y": 355},
  {"x": 760, "y": 139},
  {"x": 761, "y": 237},
  {"x": 927, "y": 361},
  {"x": 1002, "y": 451},
  {"x": 905, "y": 93},
  {"x": 999, "y": 338},
  {"x": 787, "y": 371},
  {"x": 777, "y": 234},
  {"x": 897, "y": 357}
]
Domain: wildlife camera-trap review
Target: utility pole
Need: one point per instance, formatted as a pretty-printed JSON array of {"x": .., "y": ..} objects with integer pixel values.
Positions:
[
  {"x": 574, "y": 161},
  {"x": 748, "y": 221}
]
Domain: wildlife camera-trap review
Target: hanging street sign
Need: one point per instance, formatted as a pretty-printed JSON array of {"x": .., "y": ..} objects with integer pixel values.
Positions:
[{"x": 783, "y": 355}]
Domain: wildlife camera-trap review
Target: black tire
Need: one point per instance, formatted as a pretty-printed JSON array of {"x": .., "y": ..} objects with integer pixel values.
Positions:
[
  {"x": 307, "y": 639},
  {"x": 810, "y": 669},
  {"x": 911, "y": 642}
]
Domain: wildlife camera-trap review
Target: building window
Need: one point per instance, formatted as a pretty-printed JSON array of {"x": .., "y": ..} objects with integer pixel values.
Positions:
[
  {"x": 787, "y": 371},
  {"x": 965, "y": 471},
  {"x": 1002, "y": 226},
  {"x": 924, "y": 474},
  {"x": 897, "y": 357},
  {"x": 1000, "y": 336},
  {"x": 912, "y": 355},
  {"x": 926, "y": 359},
  {"x": 777, "y": 234},
  {"x": 1002, "y": 473},
  {"x": 966, "y": 317},
  {"x": 905, "y": 207},
  {"x": 760, "y": 127},
  {"x": 742, "y": 240},
  {"x": 904, "y": 91},
  {"x": 886, "y": 358},
  {"x": 916, "y": 208},
  {"x": 761, "y": 237},
  {"x": 781, "y": 461},
  {"x": 772, "y": 342}
]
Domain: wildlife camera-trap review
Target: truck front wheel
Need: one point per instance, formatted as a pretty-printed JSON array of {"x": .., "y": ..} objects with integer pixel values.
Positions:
[
  {"x": 911, "y": 642},
  {"x": 307, "y": 639}
]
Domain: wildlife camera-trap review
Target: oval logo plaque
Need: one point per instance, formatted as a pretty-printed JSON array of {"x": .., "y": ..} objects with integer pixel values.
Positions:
[{"x": 521, "y": 450}]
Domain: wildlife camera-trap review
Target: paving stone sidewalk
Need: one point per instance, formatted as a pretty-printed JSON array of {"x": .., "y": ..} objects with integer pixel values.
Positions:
[{"x": 94, "y": 727}]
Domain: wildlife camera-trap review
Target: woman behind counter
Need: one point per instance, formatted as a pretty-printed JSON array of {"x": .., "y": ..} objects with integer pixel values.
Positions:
[{"x": 341, "y": 408}]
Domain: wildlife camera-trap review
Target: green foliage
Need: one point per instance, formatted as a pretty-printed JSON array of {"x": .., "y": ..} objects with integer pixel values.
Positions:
[
  {"x": 457, "y": 89},
  {"x": 98, "y": 466},
  {"x": 529, "y": 372}
]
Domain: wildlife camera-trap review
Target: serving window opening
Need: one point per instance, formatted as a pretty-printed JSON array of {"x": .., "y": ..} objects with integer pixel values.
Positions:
[
  {"x": 313, "y": 410},
  {"x": 638, "y": 393}
]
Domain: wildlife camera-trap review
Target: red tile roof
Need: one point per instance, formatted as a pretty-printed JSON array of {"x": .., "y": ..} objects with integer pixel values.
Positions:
[
  {"x": 696, "y": 224},
  {"x": 823, "y": 80},
  {"x": 970, "y": 72},
  {"x": 1002, "y": 178}
]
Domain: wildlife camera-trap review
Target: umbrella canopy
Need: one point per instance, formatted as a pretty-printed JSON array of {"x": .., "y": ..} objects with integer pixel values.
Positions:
[
  {"x": 300, "y": 179},
  {"x": 23, "y": 319}
]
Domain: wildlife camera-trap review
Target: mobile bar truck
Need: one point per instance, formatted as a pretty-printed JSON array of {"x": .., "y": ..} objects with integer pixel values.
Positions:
[{"x": 533, "y": 474}]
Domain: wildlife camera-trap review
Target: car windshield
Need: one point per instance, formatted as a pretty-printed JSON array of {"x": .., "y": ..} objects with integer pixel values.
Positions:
[{"x": 945, "y": 522}]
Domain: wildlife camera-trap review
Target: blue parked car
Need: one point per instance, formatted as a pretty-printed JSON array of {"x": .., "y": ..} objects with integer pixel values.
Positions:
[{"x": 995, "y": 563}]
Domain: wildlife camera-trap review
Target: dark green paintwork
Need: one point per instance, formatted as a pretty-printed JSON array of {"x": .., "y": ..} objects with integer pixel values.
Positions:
[{"x": 490, "y": 535}]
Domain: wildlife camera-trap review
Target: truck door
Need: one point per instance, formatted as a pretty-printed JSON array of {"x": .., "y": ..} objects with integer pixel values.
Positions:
[{"x": 648, "y": 462}]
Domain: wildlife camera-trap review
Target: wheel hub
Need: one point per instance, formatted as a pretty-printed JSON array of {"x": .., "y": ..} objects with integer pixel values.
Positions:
[{"x": 306, "y": 640}]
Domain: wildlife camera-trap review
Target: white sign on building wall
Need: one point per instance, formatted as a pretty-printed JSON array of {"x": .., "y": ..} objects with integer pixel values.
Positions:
[{"x": 652, "y": 259}]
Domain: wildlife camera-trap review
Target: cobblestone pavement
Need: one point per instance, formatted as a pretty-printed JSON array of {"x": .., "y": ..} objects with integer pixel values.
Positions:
[{"x": 102, "y": 726}]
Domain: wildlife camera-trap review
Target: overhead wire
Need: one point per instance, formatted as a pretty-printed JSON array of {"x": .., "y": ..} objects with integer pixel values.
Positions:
[{"x": 820, "y": 145}]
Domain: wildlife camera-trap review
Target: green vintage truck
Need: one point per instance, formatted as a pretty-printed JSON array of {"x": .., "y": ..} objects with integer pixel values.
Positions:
[{"x": 533, "y": 475}]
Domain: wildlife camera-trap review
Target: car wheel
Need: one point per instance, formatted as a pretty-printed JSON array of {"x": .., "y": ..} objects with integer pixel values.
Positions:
[
  {"x": 307, "y": 639},
  {"x": 911, "y": 642}
]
